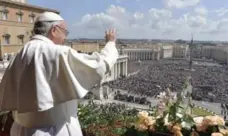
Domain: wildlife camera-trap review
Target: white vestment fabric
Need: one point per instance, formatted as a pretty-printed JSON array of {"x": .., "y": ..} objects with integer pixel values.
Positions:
[
  {"x": 61, "y": 120},
  {"x": 44, "y": 79}
]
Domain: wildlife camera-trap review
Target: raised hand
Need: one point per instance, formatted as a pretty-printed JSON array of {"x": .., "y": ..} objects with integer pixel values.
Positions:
[{"x": 110, "y": 35}]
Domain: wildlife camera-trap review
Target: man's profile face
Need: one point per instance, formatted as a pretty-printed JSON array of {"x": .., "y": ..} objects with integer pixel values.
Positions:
[{"x": 59, "y": 33}]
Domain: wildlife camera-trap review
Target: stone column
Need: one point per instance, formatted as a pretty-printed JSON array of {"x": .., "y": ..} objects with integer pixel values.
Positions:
[
  {"x": 120, "y": 68},
  {"x": 158, "y": 56},
  {"x": 139, "y": 56},
  {"x": 136, "y": 55},
  {"x": 126, "y": 68},
  {"x": 147, "y": 56},
  {"x": 144, "y": 55},
  {"x": 155, "y": 55},
  {"x": 152, "y": 53},
  {"x": 115, "y": 71},
  {"x": 101, "y": 93},
  {"x": 131, "y": 55}
]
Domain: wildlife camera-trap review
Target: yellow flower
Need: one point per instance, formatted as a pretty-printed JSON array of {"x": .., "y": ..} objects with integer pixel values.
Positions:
[
  {"x": 174, "y": 128},
  {"x": 202, "y": 124},
  {"x": 149, "y": 121},
  {"x": 145, "y": 121},
  {"x": 213, "y": 120},
  {"x": 216, "y": 134},
  {"x": 143, "y": 114}
]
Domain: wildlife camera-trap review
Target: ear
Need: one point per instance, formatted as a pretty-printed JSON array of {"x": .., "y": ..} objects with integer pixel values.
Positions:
[{"x": 53, "y": 31}]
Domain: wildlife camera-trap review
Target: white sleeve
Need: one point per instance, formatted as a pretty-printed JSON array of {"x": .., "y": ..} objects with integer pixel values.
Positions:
[{"x": 82, "y": 71}]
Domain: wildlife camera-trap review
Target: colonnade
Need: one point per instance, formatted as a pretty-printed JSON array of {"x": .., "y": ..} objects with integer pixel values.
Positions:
[
  {"x": 143, "y": 55},
  {"x": 120, "y": 69}
]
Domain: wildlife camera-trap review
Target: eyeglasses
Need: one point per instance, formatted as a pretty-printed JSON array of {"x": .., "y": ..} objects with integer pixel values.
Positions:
[{"x": 63, "y": 30}]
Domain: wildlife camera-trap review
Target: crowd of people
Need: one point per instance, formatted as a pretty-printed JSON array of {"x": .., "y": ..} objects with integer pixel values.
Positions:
[
  {"x": 154, "y": 78},
  {"x": 131, "y": 98},
  {"x": 209, "y": 82}
]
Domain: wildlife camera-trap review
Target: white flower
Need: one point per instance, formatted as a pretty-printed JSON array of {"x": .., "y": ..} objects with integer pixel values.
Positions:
[
  {"x": 162, "y": 95},
  {"x": 174, "y": 96},
  {"x": 161, "y": 105},
  {"x": 169, "y": 93},
  {"x": 166, "y": 120},
  {"x": 198, "y": 120}
]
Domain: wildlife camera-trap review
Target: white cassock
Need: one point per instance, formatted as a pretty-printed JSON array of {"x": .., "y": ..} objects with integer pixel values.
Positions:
[{"x": 43, "y": 82}]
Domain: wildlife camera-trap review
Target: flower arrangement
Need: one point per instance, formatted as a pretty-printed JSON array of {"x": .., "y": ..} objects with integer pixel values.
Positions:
[{"x": 172, "y": 117}]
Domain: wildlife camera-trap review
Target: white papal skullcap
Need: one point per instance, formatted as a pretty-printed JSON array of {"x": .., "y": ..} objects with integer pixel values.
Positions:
[{"x": 49, "y": 16}]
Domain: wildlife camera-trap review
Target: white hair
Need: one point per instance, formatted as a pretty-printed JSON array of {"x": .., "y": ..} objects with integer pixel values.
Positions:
[{"x": 43, "y": 27}]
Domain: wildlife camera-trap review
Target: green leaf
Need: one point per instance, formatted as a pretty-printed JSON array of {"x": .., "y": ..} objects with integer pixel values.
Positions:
[
  {"x": 119, "y": 131},
  {"x": 187, "y": 122}
]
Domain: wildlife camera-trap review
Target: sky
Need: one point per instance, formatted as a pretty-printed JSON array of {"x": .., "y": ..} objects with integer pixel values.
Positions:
[{"x": 147, "y": 19}]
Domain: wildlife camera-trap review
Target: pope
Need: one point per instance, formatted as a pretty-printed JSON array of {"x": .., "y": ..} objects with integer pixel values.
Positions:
[{"x": 45, "y": 79}]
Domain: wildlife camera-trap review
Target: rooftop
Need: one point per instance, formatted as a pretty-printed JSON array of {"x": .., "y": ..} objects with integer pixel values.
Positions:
[{"x": 27, "y": 5}]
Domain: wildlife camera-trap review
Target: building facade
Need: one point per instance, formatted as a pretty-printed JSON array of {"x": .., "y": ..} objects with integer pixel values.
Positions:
[
  {"x": 220, "y": 54},
  {"x": 86, "y": 47},
  {"x": 142, "y": 53},
  {"x": 166, "y": 51},
  {"x": 16, "y": 24},
  {"x": 216, "y": 53},
  {"x": 180, "y": 51},
  {"x": 156, "y": 52}
]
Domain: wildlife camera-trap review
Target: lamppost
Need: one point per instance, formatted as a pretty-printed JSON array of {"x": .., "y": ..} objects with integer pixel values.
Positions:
[{"x": 190, "y": 53}]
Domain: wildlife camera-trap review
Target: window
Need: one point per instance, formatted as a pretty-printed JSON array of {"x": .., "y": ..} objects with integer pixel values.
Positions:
[
  {"x": 6, "y": 39},
  {"x": 19, "y": 18},
  {"x": 19, "y": 15},
  {"x": 21, "y": 39},
  {"x": 4, "y": 12},
  {"x": 4, "y": 15},
  {"x": 32, "y": 19}
]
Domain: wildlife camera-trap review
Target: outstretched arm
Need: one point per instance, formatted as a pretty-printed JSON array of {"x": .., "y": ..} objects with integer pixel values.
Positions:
[{"x": 82, "y": 71}]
